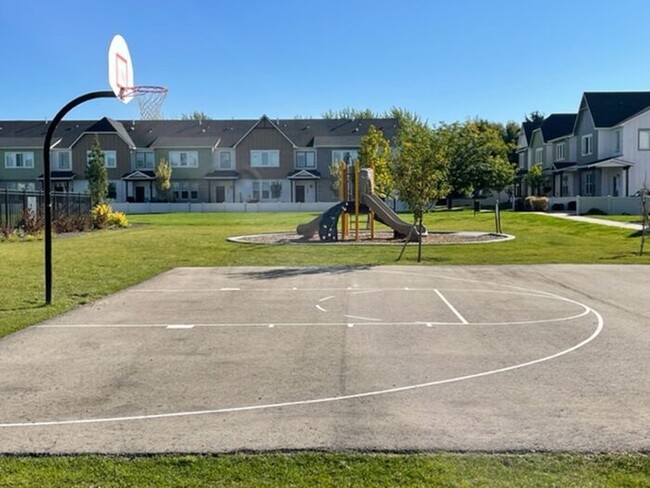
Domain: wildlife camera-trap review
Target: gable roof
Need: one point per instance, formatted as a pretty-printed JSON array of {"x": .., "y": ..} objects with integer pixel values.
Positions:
[
  {"x": 264, "y": 120},
  {"x": 611, "y": 108},
  {"x": 529, "y": 127},
  {"x": 557, "y": 125},
  {"x": 193, "y": 133}
]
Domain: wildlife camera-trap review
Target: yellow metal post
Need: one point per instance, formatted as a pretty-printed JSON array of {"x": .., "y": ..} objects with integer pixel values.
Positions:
[
  {"x": 372, "y": 212},
  {"x": 357, "y": 172}
]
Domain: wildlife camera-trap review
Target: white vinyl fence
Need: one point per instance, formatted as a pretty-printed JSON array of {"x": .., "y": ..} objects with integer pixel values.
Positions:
[
  {"x": 609, "y": 205},
  {"x": 157, "y": 207}
]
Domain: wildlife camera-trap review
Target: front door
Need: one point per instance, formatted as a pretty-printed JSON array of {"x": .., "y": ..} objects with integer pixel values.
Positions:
[
  {"x": 139, "y": 194},
  {"x": 300, "y": 193},
  {"x": 615, "y": 186},
  {"x": 220, "y": 194}
]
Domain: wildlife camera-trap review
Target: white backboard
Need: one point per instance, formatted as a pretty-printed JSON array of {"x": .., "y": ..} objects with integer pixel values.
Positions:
[{"x": 120, "y": 69}]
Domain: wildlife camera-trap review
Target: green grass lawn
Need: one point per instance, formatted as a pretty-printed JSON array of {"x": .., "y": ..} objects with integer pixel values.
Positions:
[
  {"x": 631, "y": 219},
  {"x": 331, "y": 470},
  {"x": 90, "y": 266},
  {"x": 87, "y": 267}
]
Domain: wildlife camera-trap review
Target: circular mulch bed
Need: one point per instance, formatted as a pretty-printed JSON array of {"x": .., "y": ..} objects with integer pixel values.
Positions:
[{"x": 433, "y": 238}]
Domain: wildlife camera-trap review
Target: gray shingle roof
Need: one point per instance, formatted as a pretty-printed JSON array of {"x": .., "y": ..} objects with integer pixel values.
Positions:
[
  {"x": 193, "y": 133},
  {"x": 611, "y": 108},
  {"x": 557, "y": 125}
]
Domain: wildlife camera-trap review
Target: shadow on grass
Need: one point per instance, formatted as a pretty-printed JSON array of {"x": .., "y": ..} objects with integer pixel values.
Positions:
[
  {"x": 23, "y": 308},
  {"x": 275, "y": 273}
]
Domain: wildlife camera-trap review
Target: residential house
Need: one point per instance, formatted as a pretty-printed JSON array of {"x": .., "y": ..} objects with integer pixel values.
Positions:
[
  {"x": 602, "y": 150},
  {"x": 213, "y": 161}
]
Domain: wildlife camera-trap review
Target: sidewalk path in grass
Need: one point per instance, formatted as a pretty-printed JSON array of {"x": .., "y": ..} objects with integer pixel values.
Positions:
[{"x": 591, "y": 220}]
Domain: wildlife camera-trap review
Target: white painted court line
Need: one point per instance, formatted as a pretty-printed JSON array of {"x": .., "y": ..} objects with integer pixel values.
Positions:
[
  {"x": 324, "y": 299},
  {"x": 362, "y": 318},
  {"x": 451, "y": 307},
  {"x": 321, "y": 308},
  {"x": 180, "y": 326},
  {"x": 597, "y": 331},
  {"x": 230, "y": 289}
]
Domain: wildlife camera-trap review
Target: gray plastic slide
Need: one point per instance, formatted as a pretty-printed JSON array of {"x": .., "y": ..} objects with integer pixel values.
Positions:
[
  {"x": 310, "y": 228},
  {"x": 386, "y": 215}
]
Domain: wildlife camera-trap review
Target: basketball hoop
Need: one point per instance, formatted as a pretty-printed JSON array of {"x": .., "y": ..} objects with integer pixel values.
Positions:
[{"x": 150, "y": 99}]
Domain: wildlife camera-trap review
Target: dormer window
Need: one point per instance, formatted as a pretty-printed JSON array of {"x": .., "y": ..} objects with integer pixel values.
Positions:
[
  {"x": 559, "y": 152},
  {"x": 539, "y": 155}
]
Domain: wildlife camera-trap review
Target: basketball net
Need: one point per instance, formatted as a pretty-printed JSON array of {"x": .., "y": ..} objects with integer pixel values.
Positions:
[{"x": 150, "y": 99}]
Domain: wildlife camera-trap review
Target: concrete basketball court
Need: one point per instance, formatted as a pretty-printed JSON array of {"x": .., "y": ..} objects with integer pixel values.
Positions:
[{"x": 507, "y": 358}]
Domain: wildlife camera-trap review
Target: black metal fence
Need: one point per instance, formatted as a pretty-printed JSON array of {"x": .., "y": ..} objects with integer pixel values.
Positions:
[{"x": 13, "y": 204}]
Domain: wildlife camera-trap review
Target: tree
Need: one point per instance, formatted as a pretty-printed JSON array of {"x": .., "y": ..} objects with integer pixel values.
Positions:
[
  {"x": 420, "y": 170},
  {"x": 477, "y": 156},
  {"x": 510, "y": 134},
  {"x": 534, "y": 178},
  {"x": 196, "y": 115},
  {"x": 374, "y": 151},
  {"x": 163, "y": 178},
  {"x": 349, "y": 113},
  {"x": 96, "y": 174},
  {"x": 536, "y": 116}
]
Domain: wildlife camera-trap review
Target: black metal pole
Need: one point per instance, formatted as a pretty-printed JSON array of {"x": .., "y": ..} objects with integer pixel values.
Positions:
[{"x": 47, "y": 180}]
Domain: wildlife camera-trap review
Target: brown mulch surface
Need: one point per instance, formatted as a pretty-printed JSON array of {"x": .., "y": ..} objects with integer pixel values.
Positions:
[{"x": 380, "y": 238}]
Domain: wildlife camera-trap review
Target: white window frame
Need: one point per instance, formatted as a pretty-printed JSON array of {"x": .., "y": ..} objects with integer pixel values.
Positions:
[
  {"x": 646, "y": 143},
  {"x": 185, "y": 191},
  {"x": 221, "y": 163},
  {"x": 587, "y": 145},
  {"x": 26, "y": 160},
  {"x": 148, "y": 164},
  {"x": 265, "y": 158},
  {"x": 539, "y": 155},
  {"x": 184, "y": 159},
  {"x": 110, "y": 158},
  {"x": 617, "y": 141},
  {"x": 305, "y": 154},
  {"x": 56, "y": 157},
  {"x": 261, "y": 190},
  {"x": 559, "y": 152}
]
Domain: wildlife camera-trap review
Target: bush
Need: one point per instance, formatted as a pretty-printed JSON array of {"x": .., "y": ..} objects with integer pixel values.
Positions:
[
  {"x": 72, "y": 223},
  {"x": 32, "y": 222},
  {"x": 537, "y": 204},
  {"x": 596, "y": 211},
  {"x": 557, "y": 207},
  {"x": 118, "y": 219},
  {"x": 103, "y": 216}
]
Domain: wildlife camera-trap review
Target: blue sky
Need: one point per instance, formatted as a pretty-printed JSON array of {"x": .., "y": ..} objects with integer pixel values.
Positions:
[{"x": 446, "y": 61}]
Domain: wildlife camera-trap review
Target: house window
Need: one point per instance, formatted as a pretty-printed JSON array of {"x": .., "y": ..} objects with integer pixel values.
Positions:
[
  {"x": 110, "y": 158},
  {"x": 587, "y": 145},
  {"x": 539, "y": 155},
  {"x": 265, "y": 158},
  {"x": 184, "y": 159},
  {"x": 266, "y": 190},
  {"x": 344, "y": 155},
  {"x": 61, "y": 160},
  {"x": 20, "y": 186},
  {"x": 522, "y": 160},
  {"x": 559, "y": 152},
  {"x": 305, "y": 159},
  {"x": 112, "y": 191},
  {"x": 225, "y": 160},
  {"x": 184, "y": 191},
  {"x": 644, "y": 139},
  {"x": 589, "y": 183},
  {"x": 144, "y": 160},
  {"x": 19, "y": 160},
  {"x": 617, "y": 141}
]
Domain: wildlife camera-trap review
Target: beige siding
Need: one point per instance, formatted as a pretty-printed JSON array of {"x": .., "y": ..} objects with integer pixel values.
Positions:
[{"x": 264, "y": 136}]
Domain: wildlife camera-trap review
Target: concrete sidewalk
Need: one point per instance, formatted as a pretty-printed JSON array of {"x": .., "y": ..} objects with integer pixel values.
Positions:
[{"x": 592, "y": 220}]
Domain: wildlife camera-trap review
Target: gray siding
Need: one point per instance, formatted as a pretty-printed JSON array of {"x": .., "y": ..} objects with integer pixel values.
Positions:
[{"x": 584, "y": 127}]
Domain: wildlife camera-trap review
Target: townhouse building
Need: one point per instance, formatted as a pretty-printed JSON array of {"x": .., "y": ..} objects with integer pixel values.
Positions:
[
  {"x": 602, "y": 150},
  {"x": 213, "y": 161}
]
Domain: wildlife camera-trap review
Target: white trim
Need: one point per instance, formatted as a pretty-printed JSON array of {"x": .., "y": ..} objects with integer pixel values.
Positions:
[
  {"x": 559, "y": 146},
  {"x": 589, "y": 137}
]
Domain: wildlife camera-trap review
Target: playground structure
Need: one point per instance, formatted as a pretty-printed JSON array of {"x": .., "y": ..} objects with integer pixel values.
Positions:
[{"x": 356, "y": 195}]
